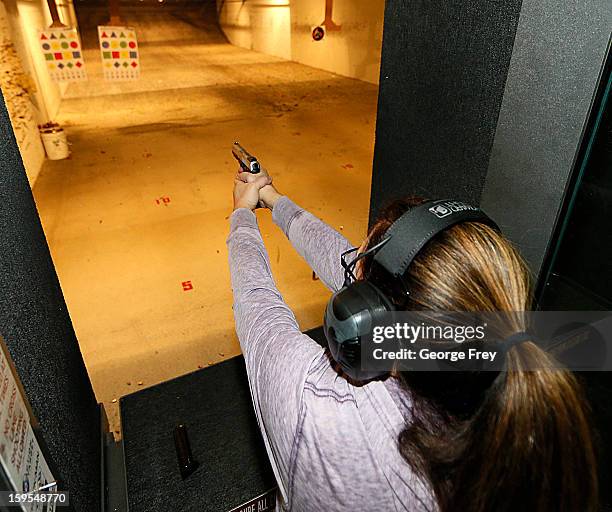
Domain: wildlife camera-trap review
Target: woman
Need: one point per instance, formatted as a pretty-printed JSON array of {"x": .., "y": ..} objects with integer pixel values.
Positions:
[{"x": 414, "y": 441}]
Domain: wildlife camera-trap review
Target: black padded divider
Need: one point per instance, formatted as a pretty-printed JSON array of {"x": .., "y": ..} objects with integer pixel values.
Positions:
[
  {"x": 443, "y": 71},
  {"x": 215, "y": 405},
  {"x": 559, "y": 53},
  {"x": 35, "y": 324}
]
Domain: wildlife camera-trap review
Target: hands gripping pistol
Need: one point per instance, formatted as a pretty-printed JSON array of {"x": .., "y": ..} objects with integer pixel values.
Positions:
[{"x": 247, "y": 161}]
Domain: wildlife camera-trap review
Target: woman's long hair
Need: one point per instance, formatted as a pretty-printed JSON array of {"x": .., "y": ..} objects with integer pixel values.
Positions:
[{"x": 489, "y": 442}]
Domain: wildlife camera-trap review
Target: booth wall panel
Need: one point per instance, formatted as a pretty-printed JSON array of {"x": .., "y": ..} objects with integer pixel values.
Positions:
[
  {"x": 558, "y": 55},
  {"x": 35, "y": 324},
  {"x": 443, "y": 70}
]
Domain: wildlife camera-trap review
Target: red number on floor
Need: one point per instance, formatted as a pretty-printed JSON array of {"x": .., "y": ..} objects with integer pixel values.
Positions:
[{"x": 187, "y": 286}]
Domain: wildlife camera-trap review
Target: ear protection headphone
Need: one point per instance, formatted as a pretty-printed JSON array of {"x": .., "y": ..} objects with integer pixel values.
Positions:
[{"x": 353, "y": 310}]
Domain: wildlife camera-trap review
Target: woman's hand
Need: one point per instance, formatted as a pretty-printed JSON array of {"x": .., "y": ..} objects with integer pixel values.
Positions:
[
  {"x": 246, "y": 194},
  {"x": 268, "y": 195}
]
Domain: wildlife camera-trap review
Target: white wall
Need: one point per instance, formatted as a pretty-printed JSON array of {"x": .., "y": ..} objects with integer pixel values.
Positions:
[
  {"x": 19, "y": 90},
  {"x": 33, "y": 15},
  {"x": 260, "y": 25},
  {"x": 31, "y": 96},
  {"x": 352, "y": 51},
  {"x": 284, "y": 28}
]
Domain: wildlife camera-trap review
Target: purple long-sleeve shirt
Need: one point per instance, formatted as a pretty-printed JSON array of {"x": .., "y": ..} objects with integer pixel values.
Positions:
[{"x": 333, "y": 446}]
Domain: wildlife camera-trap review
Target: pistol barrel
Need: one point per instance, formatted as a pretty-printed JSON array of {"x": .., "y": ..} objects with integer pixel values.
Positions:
[{"x": 247, "y": 161}]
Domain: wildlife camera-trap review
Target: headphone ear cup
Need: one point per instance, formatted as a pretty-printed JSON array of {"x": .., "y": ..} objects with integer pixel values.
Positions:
[{"x": 349, "y": 316}]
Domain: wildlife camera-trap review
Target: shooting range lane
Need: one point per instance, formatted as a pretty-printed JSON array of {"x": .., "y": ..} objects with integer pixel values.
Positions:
[{"x": 136, "y": 219}]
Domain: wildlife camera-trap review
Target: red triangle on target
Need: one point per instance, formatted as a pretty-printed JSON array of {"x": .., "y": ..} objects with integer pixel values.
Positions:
[
  {"x": 104, "y": 34},
  {"x": 43, "y": 36}
]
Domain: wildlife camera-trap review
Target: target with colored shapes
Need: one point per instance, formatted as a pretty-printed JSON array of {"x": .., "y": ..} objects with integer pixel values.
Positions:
[
  {"x": 119, "y": 52},
  {"x": 61, "y": 50}
]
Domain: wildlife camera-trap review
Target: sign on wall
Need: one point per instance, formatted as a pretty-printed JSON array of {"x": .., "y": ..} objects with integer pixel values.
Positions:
[
  {"x": 20, "y": 453},
  {"x": 119, "y": 51},
  {"x": 63, "y": 55}
]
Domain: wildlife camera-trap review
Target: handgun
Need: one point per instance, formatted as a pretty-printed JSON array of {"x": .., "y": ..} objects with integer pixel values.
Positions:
[{"x": 247, "y": 161}]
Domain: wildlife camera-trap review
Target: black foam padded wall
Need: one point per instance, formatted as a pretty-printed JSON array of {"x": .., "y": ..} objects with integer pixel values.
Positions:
[
  {"x": 558, "y": 55},
  {"x": 35, "y": 324},
  {"x": 443, "y": 70}
]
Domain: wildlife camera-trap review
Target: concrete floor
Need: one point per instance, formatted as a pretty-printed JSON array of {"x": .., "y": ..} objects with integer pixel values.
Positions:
[{"x": 122, "y": 252}]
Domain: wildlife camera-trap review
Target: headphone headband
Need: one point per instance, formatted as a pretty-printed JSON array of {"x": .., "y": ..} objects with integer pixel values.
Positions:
[
  {"x": 353, "y": 310},
  {"x": 411, "y": 232}
]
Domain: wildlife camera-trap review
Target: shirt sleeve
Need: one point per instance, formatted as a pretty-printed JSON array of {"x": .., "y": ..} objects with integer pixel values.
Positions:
[
  {"x": 277, "y": 355},
  {"x": 319, "y": 244}
]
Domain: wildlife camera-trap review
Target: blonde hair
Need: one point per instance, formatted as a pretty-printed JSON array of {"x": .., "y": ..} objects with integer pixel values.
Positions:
[{"x": 518, "y": 438}]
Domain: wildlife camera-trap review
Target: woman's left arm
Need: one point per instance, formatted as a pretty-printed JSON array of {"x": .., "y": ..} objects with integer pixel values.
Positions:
[{"x": 277, "y": 355}]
